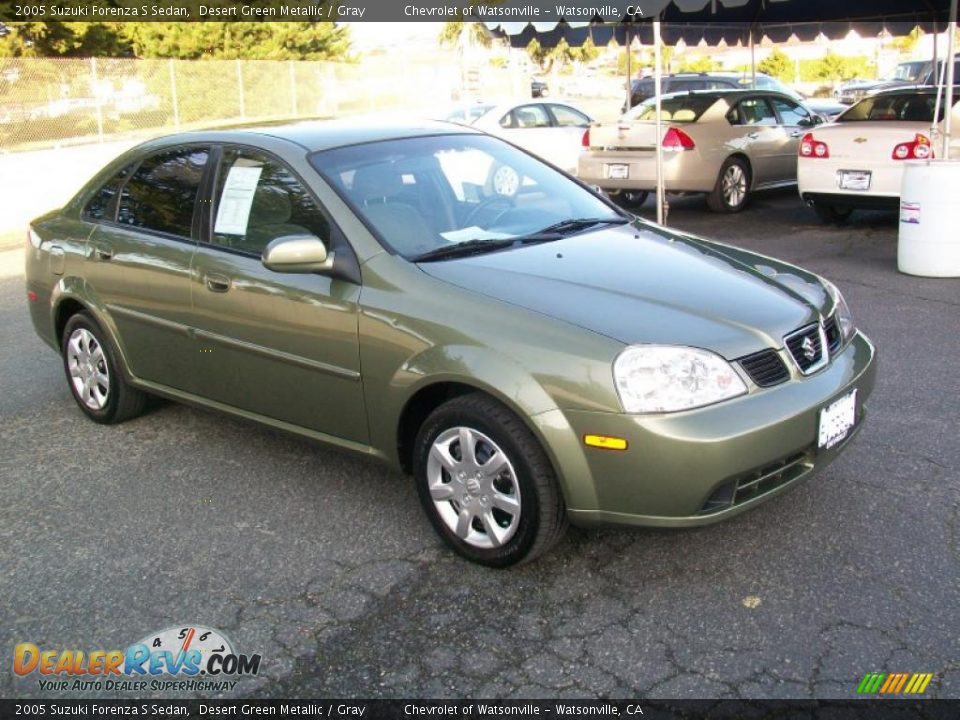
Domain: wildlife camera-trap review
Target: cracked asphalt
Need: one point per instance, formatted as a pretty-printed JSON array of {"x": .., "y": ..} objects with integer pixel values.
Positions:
[{"x": 324, "y": 564}]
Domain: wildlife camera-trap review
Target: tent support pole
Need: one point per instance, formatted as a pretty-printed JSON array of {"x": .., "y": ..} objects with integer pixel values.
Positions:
[
  {"x": 628, "y": 104},
  {"x": 753, "y": 61},
  {"x": 658, "y": 53},
  {"x": 948, "y": 109}
]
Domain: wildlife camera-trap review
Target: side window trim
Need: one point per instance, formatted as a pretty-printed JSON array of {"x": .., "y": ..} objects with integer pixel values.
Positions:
[
  {"x": 198, "y": 203},
  {"x": 110, "y": 212}
]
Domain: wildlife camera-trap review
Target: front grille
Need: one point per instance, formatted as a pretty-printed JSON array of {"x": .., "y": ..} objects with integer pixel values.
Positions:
[
  {"x": 757, "y": 482},
  {"x": 806, "y": 348},
  {"x": 765, "y": 368},
  {"x": 831, "y": 328}
]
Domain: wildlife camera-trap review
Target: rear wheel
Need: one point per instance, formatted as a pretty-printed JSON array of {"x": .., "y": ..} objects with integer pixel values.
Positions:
[
  {"x": 836, "y": 215},
  {"x": 629, "y": 199},
  {"x": 729, "y": 195},
  {"x": 486, "y": 484},
  {"x": 93, "y": 374}
]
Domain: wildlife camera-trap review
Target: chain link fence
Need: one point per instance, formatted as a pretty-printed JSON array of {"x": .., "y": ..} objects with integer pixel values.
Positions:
[{"x": 55, "y": 102}]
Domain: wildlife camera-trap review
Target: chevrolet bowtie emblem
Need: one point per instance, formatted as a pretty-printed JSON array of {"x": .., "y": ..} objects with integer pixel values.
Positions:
[{"x": 860, "y": 140}]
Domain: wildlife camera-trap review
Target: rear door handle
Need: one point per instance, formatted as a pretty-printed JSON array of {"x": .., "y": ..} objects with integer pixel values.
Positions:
[
  {"x": 217, "y": 283},
  {"x": 753, "y": 135},
  {"x": 104, "y": 253},
  {"x": 796, "y": 133}
]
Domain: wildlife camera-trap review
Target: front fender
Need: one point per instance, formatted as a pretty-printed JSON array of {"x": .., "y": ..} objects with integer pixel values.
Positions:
[{"x": 500, "y": 377}]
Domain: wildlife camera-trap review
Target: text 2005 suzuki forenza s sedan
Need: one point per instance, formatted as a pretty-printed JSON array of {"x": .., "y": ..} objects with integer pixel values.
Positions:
[{"x": 436, "y": 298}]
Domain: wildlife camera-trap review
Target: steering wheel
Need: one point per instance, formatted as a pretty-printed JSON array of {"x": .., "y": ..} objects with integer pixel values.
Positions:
[{"x": 489, "y": 205}]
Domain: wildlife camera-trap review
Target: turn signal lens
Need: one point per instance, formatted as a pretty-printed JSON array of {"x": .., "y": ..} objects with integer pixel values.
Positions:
[
  {"x": 605, "y": 442},
  {"x": 919, "y": 149},
  {"x": 812, "y": 148}
]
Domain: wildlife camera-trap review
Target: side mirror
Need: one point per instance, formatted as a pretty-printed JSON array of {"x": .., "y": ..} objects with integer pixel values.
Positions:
[
  {"x": 810, "y": 121},
  {"x": 297, "y": 254}
]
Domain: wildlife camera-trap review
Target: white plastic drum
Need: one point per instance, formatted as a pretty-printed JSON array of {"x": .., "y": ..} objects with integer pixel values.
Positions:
[{"x": 930, "y": 219}]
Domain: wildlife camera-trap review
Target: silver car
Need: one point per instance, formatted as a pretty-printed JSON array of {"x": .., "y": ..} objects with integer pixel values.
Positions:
[{"x": 726, "y": 144}]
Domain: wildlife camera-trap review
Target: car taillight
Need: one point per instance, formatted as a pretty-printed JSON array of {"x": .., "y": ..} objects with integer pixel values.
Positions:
[
  {"x": 677, "y": 140},
  {"x": 812, "y": 148},
  {"x": 919, "y": 149},
  {"x": 585, "y": 140}
]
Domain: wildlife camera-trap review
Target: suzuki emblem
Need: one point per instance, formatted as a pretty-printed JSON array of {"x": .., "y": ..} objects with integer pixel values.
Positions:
[
  {"x": 860, "y": 140},
  {"x": 809, "y": 351}
]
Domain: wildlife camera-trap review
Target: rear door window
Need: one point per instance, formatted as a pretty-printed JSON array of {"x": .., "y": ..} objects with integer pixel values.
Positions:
[
  {"x": 162, "y": 194},
  {"x": 102, "y": 206},
  {"x": 526, "y": 116},
  {"x": 753, "y": 111}
]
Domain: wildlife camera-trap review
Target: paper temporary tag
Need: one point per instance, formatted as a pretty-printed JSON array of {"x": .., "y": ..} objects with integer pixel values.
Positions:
[{"x": 233, "y": 212}]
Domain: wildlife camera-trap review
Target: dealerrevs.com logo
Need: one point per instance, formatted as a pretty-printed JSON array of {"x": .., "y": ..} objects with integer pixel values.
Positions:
[{"x": 188, "y": 658}]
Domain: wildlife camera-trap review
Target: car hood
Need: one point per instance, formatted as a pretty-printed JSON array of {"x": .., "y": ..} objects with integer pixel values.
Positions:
[{"x": 640, "y": 285}]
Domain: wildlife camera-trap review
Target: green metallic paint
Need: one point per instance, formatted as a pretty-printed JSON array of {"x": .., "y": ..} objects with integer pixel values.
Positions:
[{"x": 336, "y": 361}]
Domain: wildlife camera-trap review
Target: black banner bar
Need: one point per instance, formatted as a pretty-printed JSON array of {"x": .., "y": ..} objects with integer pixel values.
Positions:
[
  {"x": 867, "y": 709},
  {"x": 491, "y": 11}
]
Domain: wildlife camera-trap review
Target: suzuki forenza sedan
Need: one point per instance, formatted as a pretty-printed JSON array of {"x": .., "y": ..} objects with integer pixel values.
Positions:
[{"x": 436, "y": 298}]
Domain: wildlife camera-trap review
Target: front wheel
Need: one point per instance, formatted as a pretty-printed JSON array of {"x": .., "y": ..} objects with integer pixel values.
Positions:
[
  {"x": 729, "y": 195},
  {"x": 486, "y": 484},
  {"x": 93, "y": 374}
]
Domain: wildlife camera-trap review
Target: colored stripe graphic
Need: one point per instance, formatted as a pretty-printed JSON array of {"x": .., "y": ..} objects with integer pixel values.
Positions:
[{"x": 894, "y": 683}]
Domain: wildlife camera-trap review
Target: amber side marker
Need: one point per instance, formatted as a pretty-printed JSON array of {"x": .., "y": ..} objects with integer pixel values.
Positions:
[{"x": 605, "y": 442}]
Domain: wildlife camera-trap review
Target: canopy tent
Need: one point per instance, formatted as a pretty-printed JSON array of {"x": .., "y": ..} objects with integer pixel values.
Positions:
[{"x": 657, "y": 21}]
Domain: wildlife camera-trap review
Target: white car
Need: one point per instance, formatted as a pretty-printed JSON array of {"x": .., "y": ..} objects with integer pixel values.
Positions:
[
  {"x": 857, "y": 162},
  {"x": 551, "y": 130}
]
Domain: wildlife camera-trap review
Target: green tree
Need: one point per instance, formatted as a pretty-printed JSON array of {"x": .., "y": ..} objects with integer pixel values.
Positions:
[
  {"x": 704, "y": 63},
  {"x": 452, "y": 32},
  {"x": 190, "y": 40},
  {"x": 778, "y": 65},
  {"x": 64, "y": 39}
]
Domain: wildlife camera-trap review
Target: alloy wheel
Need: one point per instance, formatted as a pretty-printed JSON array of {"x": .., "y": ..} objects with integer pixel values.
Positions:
[{"x": 88, "y": 369}]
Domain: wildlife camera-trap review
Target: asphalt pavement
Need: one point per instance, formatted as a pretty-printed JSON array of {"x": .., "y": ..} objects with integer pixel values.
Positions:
[{"x": 325, "y": 565}]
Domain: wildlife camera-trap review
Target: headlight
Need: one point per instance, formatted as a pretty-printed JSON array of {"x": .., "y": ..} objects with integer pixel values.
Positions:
[
  {"x": 844, "y": 316},
  {"x": 658, "y": 378}
]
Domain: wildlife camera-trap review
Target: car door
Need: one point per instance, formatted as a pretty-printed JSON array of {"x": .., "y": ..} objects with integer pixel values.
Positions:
[
  {"x": 529, "y": 127},
  {"x": 761, "y": 137},
  {"x": 568, "y": 126},
  {"x": 139, "y": 259},
  {"x": 280, "y": 345},
  {"x": 795, "y": 120}
]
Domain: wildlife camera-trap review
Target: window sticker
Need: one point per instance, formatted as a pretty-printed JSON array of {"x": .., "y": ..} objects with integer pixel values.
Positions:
[{"x": 233, "y": 212}]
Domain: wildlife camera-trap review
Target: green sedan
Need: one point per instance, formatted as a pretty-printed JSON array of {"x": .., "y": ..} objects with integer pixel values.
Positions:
[{"x": 438, "y": 299}]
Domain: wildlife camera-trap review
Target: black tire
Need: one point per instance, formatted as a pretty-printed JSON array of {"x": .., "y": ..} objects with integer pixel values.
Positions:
[
  {"x": 541, "y": 519},
  {"x": 733, "y": 172},
  {"x": 832, "y": 214},
  {"x": 118, "y": 401},
  {"x": 630, "y": 199}
]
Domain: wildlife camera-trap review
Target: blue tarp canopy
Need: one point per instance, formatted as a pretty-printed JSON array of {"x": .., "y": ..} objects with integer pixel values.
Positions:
[{"x": 730, "y": 20}]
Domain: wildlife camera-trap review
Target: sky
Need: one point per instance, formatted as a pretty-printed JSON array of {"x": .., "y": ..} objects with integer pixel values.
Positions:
[{"x": 369, "y": 35}]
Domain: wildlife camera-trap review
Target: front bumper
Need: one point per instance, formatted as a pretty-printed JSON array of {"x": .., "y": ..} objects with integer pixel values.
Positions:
[{"x": 705, "y": 465}]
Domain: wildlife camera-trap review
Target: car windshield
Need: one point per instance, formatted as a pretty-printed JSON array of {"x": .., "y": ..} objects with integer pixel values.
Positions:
[
  {"x": 910, "y": 107},
  {"x": 678, "y": 108},
  {"x": 425, "y": 194},
  {"x": 909, "y": 71}
]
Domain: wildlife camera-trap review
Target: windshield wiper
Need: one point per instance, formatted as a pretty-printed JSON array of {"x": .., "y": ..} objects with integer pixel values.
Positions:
[
  {"x": 469, "y": 247},
  {"x": 567, "y": 227}
]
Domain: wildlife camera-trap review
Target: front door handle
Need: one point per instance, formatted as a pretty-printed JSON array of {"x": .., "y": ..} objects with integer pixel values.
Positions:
[
  {"x": 104, "y": 253},
  {"x": 217, "y": 283},
  {"x": 796, "y": 133},
  {"x": 753, "y": 135}
]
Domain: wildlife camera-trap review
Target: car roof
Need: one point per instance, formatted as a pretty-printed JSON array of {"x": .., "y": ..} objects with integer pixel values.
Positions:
[
  {"x": 325, "y": 134},
  {"x": 911, "y": 90}
]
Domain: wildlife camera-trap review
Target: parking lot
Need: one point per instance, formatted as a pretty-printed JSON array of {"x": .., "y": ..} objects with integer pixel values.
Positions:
[{"x": 325, "y": 565}]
